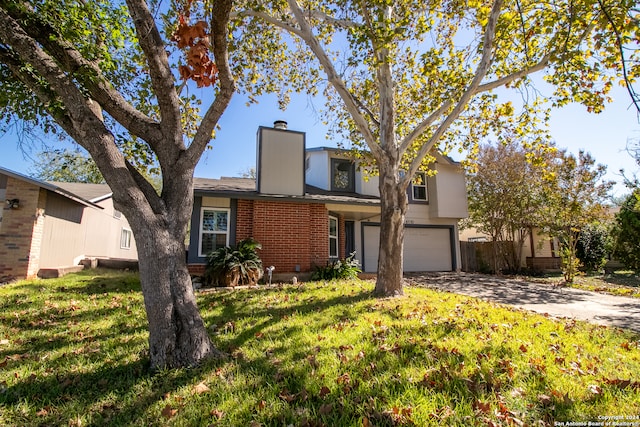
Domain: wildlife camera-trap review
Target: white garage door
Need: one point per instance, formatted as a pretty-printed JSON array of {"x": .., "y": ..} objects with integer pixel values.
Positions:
[{"x": 425, "y": 249}]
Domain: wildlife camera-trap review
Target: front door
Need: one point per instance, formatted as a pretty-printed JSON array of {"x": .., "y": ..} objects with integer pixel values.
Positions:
[{"x": 349, "y": 237}]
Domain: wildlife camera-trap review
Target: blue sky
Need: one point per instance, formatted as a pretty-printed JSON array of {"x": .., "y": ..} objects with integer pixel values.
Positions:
[{"x": 233, "y": 151}]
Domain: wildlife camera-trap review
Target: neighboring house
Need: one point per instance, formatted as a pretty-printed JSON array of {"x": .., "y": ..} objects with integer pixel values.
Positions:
[
  {"x": 45, "y": 225},
  {"x": 309, "y": 207}
]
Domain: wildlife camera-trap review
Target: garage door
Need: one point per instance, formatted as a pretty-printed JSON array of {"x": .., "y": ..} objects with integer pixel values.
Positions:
[{"x": 425, "y": 249}]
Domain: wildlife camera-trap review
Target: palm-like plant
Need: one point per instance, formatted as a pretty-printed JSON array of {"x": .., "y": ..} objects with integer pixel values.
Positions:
[{"x": 229, "y": 266}]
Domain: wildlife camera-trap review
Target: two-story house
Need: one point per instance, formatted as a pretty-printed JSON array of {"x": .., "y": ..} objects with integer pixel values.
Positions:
[{"x": 310, "y": 206}]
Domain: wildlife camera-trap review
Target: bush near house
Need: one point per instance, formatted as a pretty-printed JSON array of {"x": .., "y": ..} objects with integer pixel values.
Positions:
[
  {"x": 233, "y": 266},
  {"x": 345, "y": 269}
]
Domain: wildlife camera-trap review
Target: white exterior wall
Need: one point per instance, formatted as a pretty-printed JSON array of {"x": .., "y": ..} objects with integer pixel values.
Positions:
[
  {"x": 281, "y": 155},
  {"x": 447, "y": 192},
  {"x": 318, "y": 171}
]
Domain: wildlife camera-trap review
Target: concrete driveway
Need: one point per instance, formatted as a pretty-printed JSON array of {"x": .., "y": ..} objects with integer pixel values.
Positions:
[{"x": 622, "y": 312}]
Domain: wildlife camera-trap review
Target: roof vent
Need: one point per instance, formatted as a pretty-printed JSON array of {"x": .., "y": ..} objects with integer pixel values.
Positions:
[{"x": 280, "y": 124}]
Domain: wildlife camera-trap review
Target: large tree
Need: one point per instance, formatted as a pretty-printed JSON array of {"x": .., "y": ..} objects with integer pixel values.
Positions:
[
  {"x": 102, "y": 71},
  {"x": 66, "y": 166},
  {"x": 505, "y": 195},
  {"x": 402, "y": 78},
  {"x": 575, "y": 196}
]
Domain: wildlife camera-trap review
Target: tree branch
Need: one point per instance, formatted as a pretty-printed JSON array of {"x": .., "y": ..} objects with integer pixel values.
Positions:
[
  {"x": 220, "y": 13},
  {"x": 483, "y": 66},
  {"x": 73, "y": 62},
  {"x": 336, "y": 81},
  {"x": 635, "y": 98},
  {"x": 162, "y": 78}
]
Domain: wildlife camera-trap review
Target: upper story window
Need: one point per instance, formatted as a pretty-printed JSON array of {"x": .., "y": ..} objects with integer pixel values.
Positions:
[
  {"x": 213, "y": 230},
  {"x": 419, "y": 187},
  {"x": 343, "y": 173}
]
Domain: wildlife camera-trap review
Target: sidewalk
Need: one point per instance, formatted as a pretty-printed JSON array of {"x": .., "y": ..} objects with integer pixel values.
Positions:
[{"x": 603, "y": 309}]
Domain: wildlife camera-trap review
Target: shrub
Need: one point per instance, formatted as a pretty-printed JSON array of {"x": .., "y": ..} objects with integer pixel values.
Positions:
[
  {"x": 592, "y": 247},
  {"x": 340, "y": 269},
  {"x": 231, "y": 266},
  {"x": 626, "y": 233}
]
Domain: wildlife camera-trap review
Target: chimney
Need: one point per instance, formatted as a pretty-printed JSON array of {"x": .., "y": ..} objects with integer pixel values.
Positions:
[
  {"x": 280, "y": 160},
  {"x": 280, "y": 124}
]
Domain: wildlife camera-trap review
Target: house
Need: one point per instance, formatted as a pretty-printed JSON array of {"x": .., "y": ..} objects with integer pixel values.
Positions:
[
  {"x": 54, "y": 225},
  {"x": 308, "y": 207}
]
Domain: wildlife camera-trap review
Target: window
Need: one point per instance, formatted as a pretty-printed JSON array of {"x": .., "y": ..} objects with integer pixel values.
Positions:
[
  {"x": 342, "y": 175},
  {"x": 333, "y": 237},
  {"x": 125, "y": 239},
  {"x": 213, "y": 230},
  {"x": 419, "y": 187}
]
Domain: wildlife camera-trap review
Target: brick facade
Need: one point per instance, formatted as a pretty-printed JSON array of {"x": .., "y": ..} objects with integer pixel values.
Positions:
[
  {"x": 21, "y": 230},
  {"x": 294, "y": 236}
]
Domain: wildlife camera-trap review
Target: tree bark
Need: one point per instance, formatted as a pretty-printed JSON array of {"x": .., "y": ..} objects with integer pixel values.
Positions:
[
  {"x": 393, "y": 208},
  {"x": 177, "y": 334}
]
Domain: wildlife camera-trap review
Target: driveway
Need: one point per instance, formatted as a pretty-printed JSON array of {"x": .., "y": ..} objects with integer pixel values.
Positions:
[{"x": 610, "y": 310}]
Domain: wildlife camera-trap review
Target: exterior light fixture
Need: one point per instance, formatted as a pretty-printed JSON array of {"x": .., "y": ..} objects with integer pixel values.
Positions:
[
  {"x": 13, "y": 203},
  {"x": 270, "y": 272}
]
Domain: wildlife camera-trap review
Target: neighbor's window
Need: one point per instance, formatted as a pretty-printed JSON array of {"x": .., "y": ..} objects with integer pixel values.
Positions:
[
  {"x": 213, "y": 230},
  {"x": 333, "y": 237},
  {"x": 342, "y": 175},
  {"x": 125, "y": 239},
  {"x": 419, "y": 187}
]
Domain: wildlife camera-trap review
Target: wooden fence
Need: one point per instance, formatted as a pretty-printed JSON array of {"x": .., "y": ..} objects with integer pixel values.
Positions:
[{"x": 479, "y": 256}]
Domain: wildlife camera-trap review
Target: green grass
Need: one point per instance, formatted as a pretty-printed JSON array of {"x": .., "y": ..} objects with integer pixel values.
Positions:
[
  {"x": 621, "y": 282},
  {"x": 73, "y": 353}
]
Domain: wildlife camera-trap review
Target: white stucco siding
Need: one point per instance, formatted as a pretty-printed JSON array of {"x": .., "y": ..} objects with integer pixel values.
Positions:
[
  {"x": 317, "y": 169},
  {"x": 448, "y": 193},
  {"x": 281, "y": 157}
]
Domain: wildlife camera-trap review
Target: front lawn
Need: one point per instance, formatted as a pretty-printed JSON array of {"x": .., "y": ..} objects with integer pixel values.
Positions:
[
  {"x": 73, "y": 353},
  {"x": 621, "y": 282}
]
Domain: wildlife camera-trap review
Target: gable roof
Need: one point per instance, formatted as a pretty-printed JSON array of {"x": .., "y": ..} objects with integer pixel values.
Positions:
[
  {"x": 246, "y": 188},
  {"x": 91, "y": 192},
  {"x": 52, "y": 186}
]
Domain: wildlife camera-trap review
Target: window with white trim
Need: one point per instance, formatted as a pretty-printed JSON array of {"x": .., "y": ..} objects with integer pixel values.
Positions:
[
  {"x": 125, "y": 238},
  {"x": 333, "y": 237},
  {"x": 342, "y": 175},
  {"x": 419, "y": 187},
  {"x": 214, "y": 232}
]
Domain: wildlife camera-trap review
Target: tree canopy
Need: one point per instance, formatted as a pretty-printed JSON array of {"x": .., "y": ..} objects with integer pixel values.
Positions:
[
  {"x": 66, "y": 166},
  {"x": 403, "y": 78}
]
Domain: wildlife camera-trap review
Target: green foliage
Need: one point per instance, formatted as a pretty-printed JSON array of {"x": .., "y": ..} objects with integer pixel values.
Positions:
[
  {"x": 345, "y": 269},
  {"x": 233, "y": 266},
  {"x": 626, "y": 232},
  {"x": 574, "y": 197},
  {"x": 74, "y": 353},
  {"x": 66, "y": 166},
  {"x": 592, "y": 245}
]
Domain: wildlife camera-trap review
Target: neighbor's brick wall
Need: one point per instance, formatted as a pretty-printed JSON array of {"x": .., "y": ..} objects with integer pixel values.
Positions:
[
  {"x": 21, "y": 232},
  {"x": 291, "y": 234}
]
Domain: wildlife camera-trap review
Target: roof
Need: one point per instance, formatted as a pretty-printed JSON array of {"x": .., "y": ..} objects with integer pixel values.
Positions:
[
  {"x": 91, "y": 192},
  {"x": 246, "y": 188},
  {"x": 53, "y": 186}
]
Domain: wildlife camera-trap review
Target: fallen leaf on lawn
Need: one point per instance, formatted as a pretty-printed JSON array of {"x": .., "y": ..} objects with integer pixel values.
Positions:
[
  {"x": 261, "y": 405},
  {"x": 545, "y": 399},
  {"x": 326, "y": 409},
  {"x": 626, "y": 346},
  {"x": 168, "y": 412},
  {"x": 4, "y": 342},
  {"x": 595, "y": 389},
  {"x": 365, "y": 422},
  {"x": 259, "y": 335},
  {"x": 44, "y": 411},
  {"x": 324, "y": 391},
  {"x": 523, "y": 348},
  {"x": 201, "y": 388},
  {"x": 484, "y": 407},
  {"x": 217, "y": 413}
]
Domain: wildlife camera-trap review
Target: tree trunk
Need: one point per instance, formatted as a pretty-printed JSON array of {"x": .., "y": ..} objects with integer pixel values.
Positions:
[
  {"x": 393, "y": 207},
  {"x": 177, "y": 334}
]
